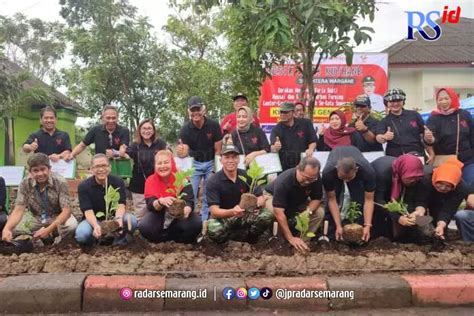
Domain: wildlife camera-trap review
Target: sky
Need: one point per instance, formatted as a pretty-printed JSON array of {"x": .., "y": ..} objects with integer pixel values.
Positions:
[{"x": 390, "y": 22}]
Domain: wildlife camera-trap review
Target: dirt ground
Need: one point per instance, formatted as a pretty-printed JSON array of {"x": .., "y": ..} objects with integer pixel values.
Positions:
[{"x": 274, "y": 258}]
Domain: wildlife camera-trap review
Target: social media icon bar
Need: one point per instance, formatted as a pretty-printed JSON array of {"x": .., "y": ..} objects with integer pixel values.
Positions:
[
  {"x": 266, "y": 293},
  {"x": 241, "y": 293},
  {"x": 228, "y": 293},
  {"x": 254, "y": 293}
]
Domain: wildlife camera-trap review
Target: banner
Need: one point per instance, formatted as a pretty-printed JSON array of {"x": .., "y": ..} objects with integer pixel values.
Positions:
[{"x": 336, "y": 85}]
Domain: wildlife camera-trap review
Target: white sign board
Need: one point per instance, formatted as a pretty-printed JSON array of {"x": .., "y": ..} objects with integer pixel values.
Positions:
[
  {"x": 184, "y": 163},
  {"x": 64, "y": 169},
  {"x": 322, "y": 156},
  {"x": 218, "y": 165},
  {"x": 270, "y": 163},
  {"x": 12, "y": 175}
]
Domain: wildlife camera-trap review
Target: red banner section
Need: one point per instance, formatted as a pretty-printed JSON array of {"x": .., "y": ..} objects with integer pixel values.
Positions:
[{"x": 336, "y": 85}]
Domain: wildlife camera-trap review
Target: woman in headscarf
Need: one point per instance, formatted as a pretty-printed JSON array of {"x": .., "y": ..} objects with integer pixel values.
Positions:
[
  {"x": 250, "y": 140},
  {"x": 400, "y": 179},
  {"x": 450, "y": 131},
  {"x": 299, "y": 110},
  {"x": 338, "y": 134},
  {"x": 447, "y": 191},
  {"x": 158, "y": 224},
  {"x": 142, "y": 152}
]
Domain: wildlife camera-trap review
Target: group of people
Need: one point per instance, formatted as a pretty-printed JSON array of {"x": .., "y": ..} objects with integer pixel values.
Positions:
[{"x": 446, "y": 141}]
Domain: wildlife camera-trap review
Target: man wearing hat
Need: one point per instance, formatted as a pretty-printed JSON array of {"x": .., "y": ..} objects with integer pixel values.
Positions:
[
  {"x": 401, "y": 129},
  {"x": 200, "y": 138},
  {"x": 224, "y": 190},
  {"x": 365, "y": 125},
  {"x": 292, "y": 136},
  {"x": 376, "y": 100},
  {"x": 46, "y": 196},
  {"x": 229, "y": 122}
]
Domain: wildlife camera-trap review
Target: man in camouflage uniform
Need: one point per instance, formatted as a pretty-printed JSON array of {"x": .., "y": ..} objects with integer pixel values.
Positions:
[{"x": 224, "y": 190}]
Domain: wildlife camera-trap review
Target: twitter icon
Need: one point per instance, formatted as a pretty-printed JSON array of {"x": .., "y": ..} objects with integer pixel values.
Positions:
[{"x": 253, "y": 293}]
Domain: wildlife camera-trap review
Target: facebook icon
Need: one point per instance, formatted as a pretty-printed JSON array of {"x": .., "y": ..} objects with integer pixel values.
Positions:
[{"x": 228, "y": 293}]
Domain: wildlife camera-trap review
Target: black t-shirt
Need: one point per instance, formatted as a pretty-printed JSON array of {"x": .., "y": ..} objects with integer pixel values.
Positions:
[
  {"x": 253, "y": 140},
  {"x": 222, "y": 191},
  {"x": 91, "y": 194},
  {"x": 443, "y": 206},
  {"x": 294, "y": 140},
  {"x": 143, "y": 163},
  {"x": 415, "y": 195},
  {"x": 407, "y": 129},
  {"x": 50, "y": 144},
  {"x": 201, "y": 140},
  {"x": 104, "y": 140},
  {"x": 290, "y": 195},
  {"x": 3, "y": 195},
  {"x": 360, "y": 142},
  {"x": 445, "y": 129},
  {"x": 365, "y": 173}
]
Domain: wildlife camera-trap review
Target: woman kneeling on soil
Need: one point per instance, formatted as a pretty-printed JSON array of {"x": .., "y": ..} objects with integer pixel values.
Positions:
[
  {"x": 158, "y": 224},
  {"x": 446, "y": 194},
  {"x": 402, "y": 179}
]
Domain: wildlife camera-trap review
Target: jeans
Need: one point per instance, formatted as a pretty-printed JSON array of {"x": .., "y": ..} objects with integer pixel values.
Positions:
[
  {"x": 84, "y": 231},
  {"x": 465, "y": 222},
  {"x": 201, "y": 170},
  {"x": 468, "y": 174}
]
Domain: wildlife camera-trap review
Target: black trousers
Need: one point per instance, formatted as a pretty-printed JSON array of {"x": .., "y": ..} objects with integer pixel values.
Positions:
[
  {"x": 3, "y": 220},
  {"x": 183, "y": 230}
]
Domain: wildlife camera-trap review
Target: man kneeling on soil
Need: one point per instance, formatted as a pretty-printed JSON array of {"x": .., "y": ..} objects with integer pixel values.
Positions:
[
  {"x": 224, "y": 189},
  {"x": 46, "y": 195},
  {"x": 294, "y": 191},
  {"x": 92, "y": 192}
]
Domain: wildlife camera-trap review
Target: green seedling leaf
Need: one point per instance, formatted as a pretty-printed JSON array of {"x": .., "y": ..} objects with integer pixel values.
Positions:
[
  {"x": 310, "y": 234},
  {"x": 100, "y": 214}
]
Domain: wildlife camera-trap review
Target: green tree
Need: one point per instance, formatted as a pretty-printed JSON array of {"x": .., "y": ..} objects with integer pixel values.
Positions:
[
  {"x": 116, "y": 59},
  {"x": 303, "y": 29},
  {"x": 197, "y": 66},
  {"x": 33, "y": 44}
]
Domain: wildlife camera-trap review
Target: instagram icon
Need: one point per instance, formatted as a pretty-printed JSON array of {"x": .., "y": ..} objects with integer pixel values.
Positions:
[
  {"x": 241, "y": 293},
  {"x": 126, "y": 293}
]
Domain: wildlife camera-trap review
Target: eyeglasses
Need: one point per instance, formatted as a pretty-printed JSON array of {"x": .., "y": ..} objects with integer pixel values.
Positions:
[
  {"x": 308, "y": 178},
  {"x": 98, "y": 167}
]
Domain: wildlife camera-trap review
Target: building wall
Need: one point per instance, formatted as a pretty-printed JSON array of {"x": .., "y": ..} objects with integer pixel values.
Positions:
[
  {"x": 26, "y": 123},
  {"x": 420, "y": 84}
]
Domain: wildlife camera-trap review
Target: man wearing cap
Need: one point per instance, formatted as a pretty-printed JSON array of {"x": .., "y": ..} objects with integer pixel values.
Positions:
[
  {"x": 109, "y": 137},
  {"x": 229, "y": 122},
  {"x": 365, "y": 125},
  {"x": 46, "y": 196},
  {"x": 401, "y": 129},
  {"x": 376, "y": 100},
  {"x": 224, "y": 190},
  {"x": 200, "y": 138},
  {"x": 292, "y": 136}
]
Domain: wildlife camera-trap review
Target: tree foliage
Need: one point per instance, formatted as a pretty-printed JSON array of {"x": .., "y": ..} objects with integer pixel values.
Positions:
[
  {"x": 116, "y": 59},
  {"x": 33, "y": 44}
]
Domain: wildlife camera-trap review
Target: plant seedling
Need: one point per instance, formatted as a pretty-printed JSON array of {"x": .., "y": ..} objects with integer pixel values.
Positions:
[
  {"x": 353, "y": 213},
  {"x": 181, "y": 181},
  {"x": 255, "y": 173},
  {"x": 112, "y": 197},
  {"x": 302, "y": 224}
]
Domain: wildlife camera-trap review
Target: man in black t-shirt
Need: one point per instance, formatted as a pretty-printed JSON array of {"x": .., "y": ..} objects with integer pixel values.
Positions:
[
  {"x": 109, "y": 137},
  {"x": 224, "y": 190},
  {"x": 294, "y": 191},
  {"x": 200, "y": 138},
  {"x": 401, "y": 129},
  {"x": 365, "y": 125},
  {"x": 291, "y": 137},
  {"x": 92, "y": 193},
  {"x": 346, "y": 164},
  {"x": 48, "y": 139}
]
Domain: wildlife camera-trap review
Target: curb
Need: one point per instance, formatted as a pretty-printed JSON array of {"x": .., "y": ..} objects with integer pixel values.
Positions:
[{"x": 62, "y": 293}]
